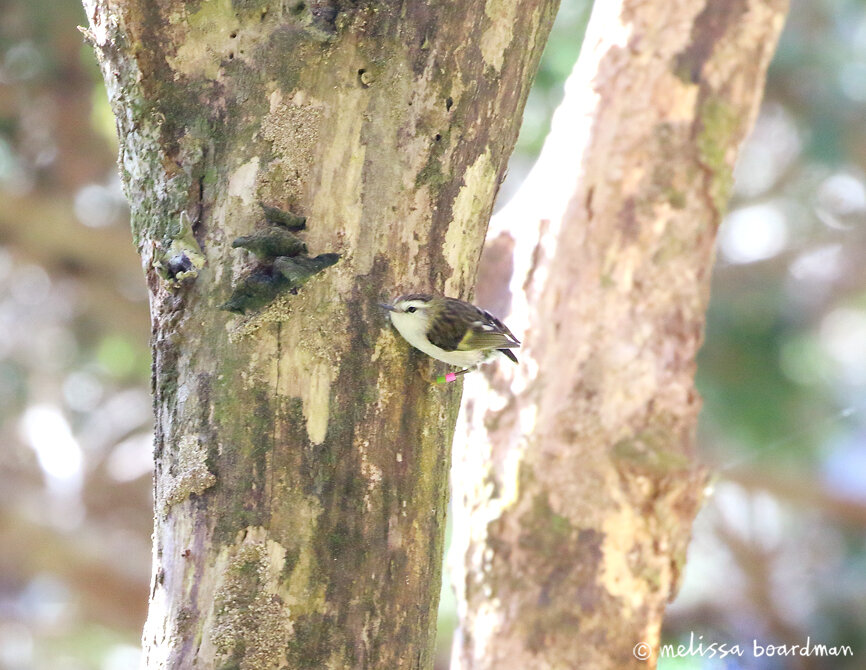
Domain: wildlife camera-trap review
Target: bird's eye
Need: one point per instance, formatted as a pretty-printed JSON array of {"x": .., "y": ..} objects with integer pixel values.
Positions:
[{"x": 411, "y": 310}]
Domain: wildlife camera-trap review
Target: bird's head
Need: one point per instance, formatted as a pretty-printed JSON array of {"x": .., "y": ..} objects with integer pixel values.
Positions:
[{"x": 412, "y": 312}]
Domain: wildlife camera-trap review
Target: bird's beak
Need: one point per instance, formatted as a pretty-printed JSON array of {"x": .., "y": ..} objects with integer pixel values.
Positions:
[{"x": 390, "y": 308}]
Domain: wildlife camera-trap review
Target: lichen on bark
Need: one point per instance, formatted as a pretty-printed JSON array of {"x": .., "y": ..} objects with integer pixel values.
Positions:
[
  {"x": 189, "y": 474},
  {"x": 252, "y": 623}
]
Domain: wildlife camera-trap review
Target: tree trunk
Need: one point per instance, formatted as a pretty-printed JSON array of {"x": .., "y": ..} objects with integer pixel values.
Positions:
[
  {"x": 301, "y": 457},
  {"x": 575, "y": 493}
]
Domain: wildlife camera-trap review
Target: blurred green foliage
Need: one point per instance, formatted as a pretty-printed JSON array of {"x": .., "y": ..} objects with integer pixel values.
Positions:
[{"x": 559, "y": 57}]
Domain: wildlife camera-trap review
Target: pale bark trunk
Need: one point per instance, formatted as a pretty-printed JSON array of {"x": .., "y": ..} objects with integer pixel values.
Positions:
[
  {"x": 301, "y": 460},
  {"x": 576, "y": 489}
]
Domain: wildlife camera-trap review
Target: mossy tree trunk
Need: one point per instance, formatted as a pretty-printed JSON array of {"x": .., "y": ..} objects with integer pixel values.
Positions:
[
  {"x": 576, "y": 490},
  {"x": 301, "y": 457}
]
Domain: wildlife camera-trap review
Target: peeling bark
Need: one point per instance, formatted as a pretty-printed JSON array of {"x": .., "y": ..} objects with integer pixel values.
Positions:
[
  {"x": 301, "y": 459},
  {"x": 575, "y": 492}
]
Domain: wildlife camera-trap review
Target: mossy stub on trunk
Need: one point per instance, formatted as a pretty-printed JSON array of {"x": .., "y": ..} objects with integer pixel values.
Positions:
[{"x": 285, "y": 265}]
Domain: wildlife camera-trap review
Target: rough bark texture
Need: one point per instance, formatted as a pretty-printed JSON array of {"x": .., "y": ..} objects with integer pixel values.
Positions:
[
  {"x": 575, "y": 493},
  {"x": 301, "y": 459}
]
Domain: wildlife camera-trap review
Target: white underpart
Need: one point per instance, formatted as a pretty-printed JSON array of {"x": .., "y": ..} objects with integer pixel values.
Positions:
[{"x": 413, "y": 328}]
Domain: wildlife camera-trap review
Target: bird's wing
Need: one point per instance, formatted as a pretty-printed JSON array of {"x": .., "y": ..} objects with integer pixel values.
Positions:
[
  {"x": 488, "y": 332},
  {"x": 446, "y": 332},
  {"x": 449, "y": 332},
  {"x": 481, "y": 339}
]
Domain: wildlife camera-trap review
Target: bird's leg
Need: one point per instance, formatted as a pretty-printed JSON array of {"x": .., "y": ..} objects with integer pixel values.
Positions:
[{"x": 451, "y": 376}]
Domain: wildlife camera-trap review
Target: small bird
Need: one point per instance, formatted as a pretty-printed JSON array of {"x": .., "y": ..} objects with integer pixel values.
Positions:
[{"x": 451, "y": 330}]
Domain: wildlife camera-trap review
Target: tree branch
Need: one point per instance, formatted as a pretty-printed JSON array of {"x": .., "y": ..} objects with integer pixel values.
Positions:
[{"x": 578, "y": 484}]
